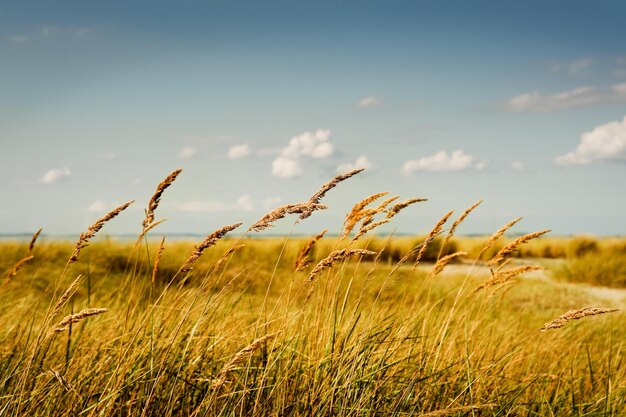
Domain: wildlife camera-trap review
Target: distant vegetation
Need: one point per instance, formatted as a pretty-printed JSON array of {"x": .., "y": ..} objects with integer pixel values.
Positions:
[{"x": 436, "y": 325}]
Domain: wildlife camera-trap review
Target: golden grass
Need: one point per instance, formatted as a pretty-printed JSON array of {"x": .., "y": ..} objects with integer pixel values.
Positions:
[
  {"x": 575, "y": 315},
  {"x": 209, "y": 241},
  {"x": 83, "y": 240},
  {"x": 78, "y": 317},
  {"x": 303, "y": 257},
  {"x": 243, "y": 332}
]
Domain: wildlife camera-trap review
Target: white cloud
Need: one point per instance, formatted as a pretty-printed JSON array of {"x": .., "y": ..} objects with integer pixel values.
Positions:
[
  {"x": 96, "y": 207},
  {"x": 578, "y": 97},
  {"x": 18, "y": 39},
  {"x": 82, "y": 32},
  {"x": 244, "y": 203},
  {"x": 50, "y": 32},
  {"x": 604, "y": 143},
  {"x": 444, "y": 162},
  {"x": 187, "y": 152},
  {"x": 55, "y": 175},
  {"x": 105, "y": 156},
  {"x": 47, "y": 31},
  {"x": 239, "y": 151},
  {"x": 313, "y": 145},
  {"x": 285, "y": 167},
  {"x": 271, "y": 202},
  {"x": 370, "y": 101},
  {"x": 361, "y": 162},
  {"x": 619, "y": 73},
  {"x": 518, "y": 166},
  {"x": 576, "y": 67},
  {"x": 197, "y": 206}
]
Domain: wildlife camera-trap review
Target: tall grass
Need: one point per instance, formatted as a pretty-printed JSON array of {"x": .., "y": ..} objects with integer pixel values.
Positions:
[{"x": 239, "y": 331}]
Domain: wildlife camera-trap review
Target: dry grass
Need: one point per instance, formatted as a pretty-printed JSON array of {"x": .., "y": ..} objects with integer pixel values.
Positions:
[
  {"x": 243, "y": 332},
  {"x": 84, "y": 238},
  {"x": 575, "y": 315}
]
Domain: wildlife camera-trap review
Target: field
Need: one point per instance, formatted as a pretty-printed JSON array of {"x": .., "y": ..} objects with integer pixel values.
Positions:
[{"x": 357, "y": 325}]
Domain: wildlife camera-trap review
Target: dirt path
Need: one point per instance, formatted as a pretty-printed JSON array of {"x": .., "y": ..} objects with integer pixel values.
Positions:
[{"x": 606, "y": 294}]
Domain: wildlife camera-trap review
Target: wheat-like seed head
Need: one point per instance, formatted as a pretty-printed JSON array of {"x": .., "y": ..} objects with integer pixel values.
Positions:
[
  {"x": 68, "y": 387},
  {"x": 280, "y": 212},
  {"x": 492, "y": 239},
  {"x": 75, "y": 318},
  {"x": 302, "y": 261},
  {"x": 157, "y": 259},
  {"x": 381, "y": 208},
  {"x": 442, "y": 262},
  {"x": 17, "y": 267},
  {"x": 145, "y": 230},
  {"x": 458, "y": 221},
  {"x": 226, "y": 254},
  {"x": 367, "y": 227},
  {"x": 315, "y": 198},
  {"x": 395, "y": 209},
  {"x": 65, "y": 296},
  {"x": 504, "y": 276},
  {"x": 356, "y": 214},
  {"x": 333, "y": 258},
  {"x": 511, "y": 247},
  {"x": 208, "y": 242},
  {"x": 31, "y": 245},
  {"x": 156, "y": 197},
  {"x": 239, "y": 357},
  {"x": 575, "y": 315},
  {"x": 83, "y": 240},
  {"x": 431, "y": 236}
]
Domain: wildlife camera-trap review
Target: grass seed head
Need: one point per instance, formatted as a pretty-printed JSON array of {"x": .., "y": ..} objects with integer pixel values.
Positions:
[
  {"x": 84, "y": 238},
  {"x": 209, "y": 241},
  {"x": 575, "y": 315},
  {"x": 156, "y": 197}
]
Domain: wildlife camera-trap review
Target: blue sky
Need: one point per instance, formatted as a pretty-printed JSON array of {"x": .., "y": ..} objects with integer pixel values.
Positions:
[{"x": 522, "y": 104}]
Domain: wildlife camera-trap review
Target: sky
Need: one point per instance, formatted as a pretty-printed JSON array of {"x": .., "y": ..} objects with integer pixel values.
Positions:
[{"x": 520, "y": 104}]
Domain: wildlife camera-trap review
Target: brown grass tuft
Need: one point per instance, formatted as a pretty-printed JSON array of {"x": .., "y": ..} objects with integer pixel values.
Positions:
[
  {"x": 17, "y": 267},
  {"x": 511, "y": 247},
  {"x": 333, "y": 258},
  {"x": 65, "y": 296},
  {"x": 458, "y": 221},
  {"x": 356, "y": 214},
  {"x": 31, "y": 245},
  {"x": 492, "y": 239},
  {"x": 156, "y": 197},
  {"x": 75, "y": 318},
  {"x": 226, "y": 254},
  {"x": 395, "y": 209},
  {"x": 367, "y": 227},
  {"x": 303, "y": 258},
  {"x": 442, "y": 262},
  {"x": 503, "y": 276},
  {"x": 280, "y": 212},
  {"x": 431, "y": 236},
  {"x": 157, "y": 259},
  {"x": 315, "y": 198},
  {"x": 207, "y": 243},
  {"x": 575, "y": 315},
  {"x": 240, "y": 357},
  {"x": 83, "y": 240}
]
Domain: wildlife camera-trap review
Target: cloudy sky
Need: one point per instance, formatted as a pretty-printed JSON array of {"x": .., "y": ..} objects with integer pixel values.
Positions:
[{"x": 522, "y": 104}]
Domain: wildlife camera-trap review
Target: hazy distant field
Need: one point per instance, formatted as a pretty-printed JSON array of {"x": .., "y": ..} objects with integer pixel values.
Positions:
[{"x": 397, "y": 326}]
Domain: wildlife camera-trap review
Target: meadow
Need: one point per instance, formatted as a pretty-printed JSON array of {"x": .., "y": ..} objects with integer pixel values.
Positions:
[{"x": 343, "y": 323}]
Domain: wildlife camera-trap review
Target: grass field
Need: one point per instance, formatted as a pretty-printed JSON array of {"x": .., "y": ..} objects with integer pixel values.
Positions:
[{"x": 364, "y": 327}]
